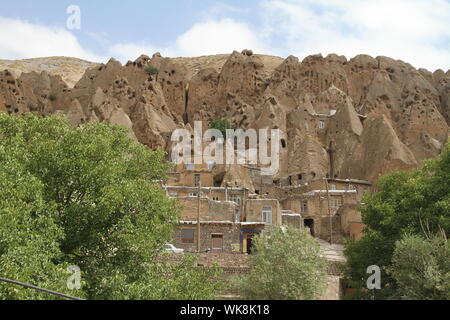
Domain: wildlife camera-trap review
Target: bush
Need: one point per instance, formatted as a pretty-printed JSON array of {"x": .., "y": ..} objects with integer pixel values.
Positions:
[
  {"x": 287, "y": 265},
  {"x": 151, "y": 70},
  {"x": 222, "y": 126},
  {"x": 421, "y": 267}
]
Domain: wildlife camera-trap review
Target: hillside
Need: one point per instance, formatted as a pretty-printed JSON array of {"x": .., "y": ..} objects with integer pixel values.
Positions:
[{"x": 70, "y": 69}]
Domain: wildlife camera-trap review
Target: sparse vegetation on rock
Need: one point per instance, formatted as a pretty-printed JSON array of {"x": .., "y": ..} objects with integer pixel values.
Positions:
[{"x": 151, "y": 70}]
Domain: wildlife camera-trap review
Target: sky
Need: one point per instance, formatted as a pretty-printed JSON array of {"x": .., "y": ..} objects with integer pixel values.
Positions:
[{"x": 415, "y": 31}]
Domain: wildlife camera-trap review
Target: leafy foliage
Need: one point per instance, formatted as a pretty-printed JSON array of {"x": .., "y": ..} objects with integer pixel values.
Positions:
[
  {"x": 407, "y": 203},
  {"x": 87, "y": 197},
  {"x": 421, "y": 267},
  {"x": 287, "y": 265},
  {"x": 222, "y": 126},
  {"x": 151, "y": 70}
]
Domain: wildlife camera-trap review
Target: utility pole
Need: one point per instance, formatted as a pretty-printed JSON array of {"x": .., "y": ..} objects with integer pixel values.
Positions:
[
  {"x": 198, "y": 217},
  {"x": 329, "y": 211}
]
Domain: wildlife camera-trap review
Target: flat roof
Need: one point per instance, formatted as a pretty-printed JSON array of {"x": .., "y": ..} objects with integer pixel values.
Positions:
[
  {"x": 350, "y": 180},
  {"x": 205, "y": 188}
]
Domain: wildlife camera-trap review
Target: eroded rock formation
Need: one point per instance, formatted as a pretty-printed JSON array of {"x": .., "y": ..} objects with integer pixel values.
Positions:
[{"x": 356, "y": 118}]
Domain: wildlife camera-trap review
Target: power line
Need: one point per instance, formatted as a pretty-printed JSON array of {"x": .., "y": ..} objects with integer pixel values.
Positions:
[{"x": 30, "y": 286}]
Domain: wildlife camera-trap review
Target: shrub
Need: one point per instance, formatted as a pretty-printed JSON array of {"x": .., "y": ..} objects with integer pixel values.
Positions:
[
  {"x": 287, "y": 265},
  {"x": 222, "y": 125},
  {"x": 421, "y": 267},
  {"x": 151, "y": 70}
]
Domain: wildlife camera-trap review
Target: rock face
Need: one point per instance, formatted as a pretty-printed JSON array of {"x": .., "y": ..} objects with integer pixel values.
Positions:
[{"x": 356, "y": 118}]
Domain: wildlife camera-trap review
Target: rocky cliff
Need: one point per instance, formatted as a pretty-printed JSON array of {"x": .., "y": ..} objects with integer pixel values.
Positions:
[{"x": 356, "y": 118}]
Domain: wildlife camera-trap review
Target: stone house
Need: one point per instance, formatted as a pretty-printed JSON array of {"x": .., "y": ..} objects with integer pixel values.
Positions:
[
  {"x": 229, "y": 218},
  {"x": 329, "y": 208}
]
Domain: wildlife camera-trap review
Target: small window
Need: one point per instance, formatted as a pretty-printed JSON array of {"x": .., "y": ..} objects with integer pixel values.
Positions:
[
  {"x": 190, "y": 166},
  {"x": 335, "y": 203},
  {"x": 187, "y": 235},
  {"x": 215, "y": 198},
  {"x": 283, "y": 143},
  {"x": 210, "y": 164},
  {"x": 267, "y": 214},
  {"x": 173, "y": 194},
  {"x": 333, "y": 186},
  {"x": 236, "y": 199},
  {"x": 196, "y": 180},
  {"x": 304, "y": 206},
  {"x": 300, "y": 176},
  {"x": 322, "y": 124},
  {"x": 193, "y": 195}
]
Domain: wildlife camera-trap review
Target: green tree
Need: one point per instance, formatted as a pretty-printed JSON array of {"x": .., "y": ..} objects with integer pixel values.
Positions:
[
  {"x": 421, "y": 267},
  {"x": 287, "y": 265},
  {"x": 88, "y": 197},
  {"x": 222, "y": 126},
  {"x": 405, "y": 203},
  {"x": 29, "y": 236}
]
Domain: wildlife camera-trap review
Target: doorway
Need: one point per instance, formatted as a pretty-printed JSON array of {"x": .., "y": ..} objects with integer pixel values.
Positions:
[
  {"x": 250, "y": 243},
  {"x": 309, "y": 223},
  {"x": 217, "y": 243}
]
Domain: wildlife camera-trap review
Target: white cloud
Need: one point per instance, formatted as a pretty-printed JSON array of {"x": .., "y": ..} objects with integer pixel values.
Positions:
[
  {"x": 130, "y": 51},
  {"x": 214, "y": 37},
  {"x": 21, "y": 40},
  {"x": 415, "y": 31},
  {"x": 205, "y": 38}
]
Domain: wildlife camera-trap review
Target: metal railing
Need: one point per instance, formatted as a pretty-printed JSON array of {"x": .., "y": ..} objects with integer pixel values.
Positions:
[{"x": 30, "y": 286}]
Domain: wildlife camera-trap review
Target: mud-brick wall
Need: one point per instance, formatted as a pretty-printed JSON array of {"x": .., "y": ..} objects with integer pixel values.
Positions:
[
  {"x": 209, "y": 210},
  {"x": 254, "y": 209},
  {"x": 326, "y": 231},
  {"x": 230, "y": 232},
  {"x": 295, "y": 221}
]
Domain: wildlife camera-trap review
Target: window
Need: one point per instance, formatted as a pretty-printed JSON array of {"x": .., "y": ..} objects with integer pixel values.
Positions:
[
  {"x": 215, "y": 198},
  {"x": 210, "y": 164},
  {"x": 190, "y": 166},
  {"x": 333, "y": 187},
  {"x": 335, "y": 203},
  {"x": 236, "y": 199},
  {"x": 187, "y": 235},
  {"x": 300, "y": 176},
  {"x": 173, "y": 194},
  {"x": 304, "y": 206},
  {"x": 196, "y": 180},
  {"x": 267, "y": 214},
  {"x": 322, "y": 124},
  {"x": 193, "y": 195}
]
